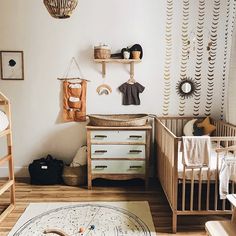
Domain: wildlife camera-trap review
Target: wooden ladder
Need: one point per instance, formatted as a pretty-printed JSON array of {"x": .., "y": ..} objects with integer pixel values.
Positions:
[{"x": 10, "y": 183}]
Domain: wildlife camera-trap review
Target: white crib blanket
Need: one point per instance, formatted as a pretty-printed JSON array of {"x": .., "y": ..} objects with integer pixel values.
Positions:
[{"x": 213, "y": 166}]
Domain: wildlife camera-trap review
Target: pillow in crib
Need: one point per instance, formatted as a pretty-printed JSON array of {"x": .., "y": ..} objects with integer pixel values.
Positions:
[
  {"x": 188, "y": 128},
  {"x": 4, "y": 122},
  {"x": 207, "y": 126},
  {"x": 197, "y": 131}
]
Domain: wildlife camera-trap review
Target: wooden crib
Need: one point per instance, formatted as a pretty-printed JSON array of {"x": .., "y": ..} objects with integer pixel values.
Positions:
[{"x": 190, "y": 191}]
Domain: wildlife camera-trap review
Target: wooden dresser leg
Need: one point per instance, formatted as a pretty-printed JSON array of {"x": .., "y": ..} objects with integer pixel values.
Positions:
[
  {"x": 174, "y": 223},
  {"x": 233, "y": 219},
  {"x": 146, "y": 184},
  {"x": 89, "y": 184}
]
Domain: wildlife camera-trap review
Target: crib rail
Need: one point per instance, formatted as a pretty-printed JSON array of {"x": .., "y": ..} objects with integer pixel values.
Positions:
[
  {"x": 167, "y": 147},
  {"x": 224, "y": 129},
  {"x": 175, "y": 124},
  {"x": 208, "y": 183},
  {"x": 191, "y": 195}
]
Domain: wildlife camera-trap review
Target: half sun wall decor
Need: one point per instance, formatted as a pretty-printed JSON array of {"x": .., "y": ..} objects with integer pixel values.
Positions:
[{"x": 60, "y": 9}]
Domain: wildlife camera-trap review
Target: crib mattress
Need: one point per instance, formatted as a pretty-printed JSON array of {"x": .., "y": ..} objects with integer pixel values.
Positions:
[{"x": 213, "y": 166}]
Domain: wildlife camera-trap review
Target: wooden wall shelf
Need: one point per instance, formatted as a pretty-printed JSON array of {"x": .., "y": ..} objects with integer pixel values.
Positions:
[{"x": 131, "y": 62}]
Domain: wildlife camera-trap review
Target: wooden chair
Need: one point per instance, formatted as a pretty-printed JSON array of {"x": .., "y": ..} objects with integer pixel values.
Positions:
[{"x": 224, "y": 228}]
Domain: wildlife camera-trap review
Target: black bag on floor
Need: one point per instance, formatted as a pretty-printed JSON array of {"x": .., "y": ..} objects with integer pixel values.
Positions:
[{"x": 46, "y": 171}]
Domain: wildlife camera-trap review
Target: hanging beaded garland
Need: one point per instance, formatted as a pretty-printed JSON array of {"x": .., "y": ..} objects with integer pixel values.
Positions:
[{"x": 60, "y": 9}]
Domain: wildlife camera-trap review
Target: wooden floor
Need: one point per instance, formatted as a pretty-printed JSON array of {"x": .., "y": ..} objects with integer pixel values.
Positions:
[{"x": 26, "y": 193}]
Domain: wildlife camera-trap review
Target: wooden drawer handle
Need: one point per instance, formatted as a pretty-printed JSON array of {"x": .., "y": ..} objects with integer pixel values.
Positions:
[
  {"x": 100, "y": 167},
  {"x": 135, "y": 136},
  {"x": 135, "y": 167},
  {"x": 135, "y": 151},
  {"x": 100, "y": 136},
  {"x": 100, "y": 151}
]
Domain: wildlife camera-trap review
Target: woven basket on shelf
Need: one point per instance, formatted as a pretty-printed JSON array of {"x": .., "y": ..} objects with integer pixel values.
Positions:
[
  {"x": 102, "y": 52},
  {"x": 60, "y": 9},
  {"x": 74, "y": 176}
]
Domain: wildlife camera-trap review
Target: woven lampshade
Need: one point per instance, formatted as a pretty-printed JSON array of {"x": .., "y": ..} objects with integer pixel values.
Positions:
[{"x": 60, "y": 9}]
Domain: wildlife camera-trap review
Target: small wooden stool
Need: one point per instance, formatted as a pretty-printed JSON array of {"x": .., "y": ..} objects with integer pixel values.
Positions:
[{"x": 223, "y": 228}]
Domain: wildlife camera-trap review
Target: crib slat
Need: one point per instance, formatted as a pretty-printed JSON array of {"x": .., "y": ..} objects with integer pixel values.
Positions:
[
  {"x": 184, "y": 185},
  {"x": 225, "y": 132},
  {"x": 216, "y": 191},
  {"x": 208, "y": 189},
  {"x": 223, "y": 204},
  {"x": 178, "y": 128},
  {"x": 192, "y": 190},
  {"x": 220, "y": 130},
  {"x": 176, "y": 132},
  {"x": 232, "y": 191},
  {"x": 200, "y": 190},
  {"x": 227, "y": 145},
  {"x": 234, "y": 134},
  {"x": 216, "y": 182}
]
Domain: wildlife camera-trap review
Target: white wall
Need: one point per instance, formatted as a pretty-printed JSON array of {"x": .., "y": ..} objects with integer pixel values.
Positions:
[
  {"x": 232, "y": 84},
  {"x": 49, "y": 44}
]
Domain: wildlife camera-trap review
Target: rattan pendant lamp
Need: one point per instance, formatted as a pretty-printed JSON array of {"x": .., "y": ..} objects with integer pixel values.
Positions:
[{"x": 60, "y": 9}]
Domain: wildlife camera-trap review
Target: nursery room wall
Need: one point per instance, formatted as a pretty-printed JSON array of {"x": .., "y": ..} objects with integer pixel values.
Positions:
[
  {"x": 232, "y": 83},
  {"x": 174, "y": 44}
]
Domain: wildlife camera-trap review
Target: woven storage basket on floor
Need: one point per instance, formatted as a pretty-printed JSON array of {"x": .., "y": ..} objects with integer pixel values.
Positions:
[
  {"x": 60, "y": 9},
  {"x": 74, "y": 176},
  {"x": 118, "y": 120}
]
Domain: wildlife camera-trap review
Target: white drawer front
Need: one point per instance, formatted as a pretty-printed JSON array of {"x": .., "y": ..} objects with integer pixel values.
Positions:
[
  {"x": 117, "y": 151},
  {"x": 118, "y": 167},
  {"x": 111, "y": 136}
]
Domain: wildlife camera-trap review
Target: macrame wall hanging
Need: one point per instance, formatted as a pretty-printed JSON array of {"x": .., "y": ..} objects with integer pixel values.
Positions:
[
  {"x": 74, "y": 95},
  {"x": 60, "y": 9}
]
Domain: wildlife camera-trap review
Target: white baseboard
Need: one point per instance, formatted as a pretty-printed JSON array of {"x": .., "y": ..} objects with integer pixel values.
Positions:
[{"x": 19, "y": 171}]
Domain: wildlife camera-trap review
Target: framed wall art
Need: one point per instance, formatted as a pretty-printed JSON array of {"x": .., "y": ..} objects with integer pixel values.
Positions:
[{"x": 12, "y": 65}]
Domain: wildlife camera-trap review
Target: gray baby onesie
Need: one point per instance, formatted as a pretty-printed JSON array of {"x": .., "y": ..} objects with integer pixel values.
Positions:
[{"x": 131, "y": 93}]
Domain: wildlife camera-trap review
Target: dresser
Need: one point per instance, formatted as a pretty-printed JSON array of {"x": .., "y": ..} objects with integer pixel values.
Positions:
[{"x": 118, "y": 153}]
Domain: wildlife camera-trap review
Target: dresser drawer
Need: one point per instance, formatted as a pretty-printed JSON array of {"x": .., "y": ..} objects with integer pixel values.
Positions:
[
  {"x": 118, "y": 136},
  {"x": 118, "y": 167},
  {"x": 117, "y": 151}
]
